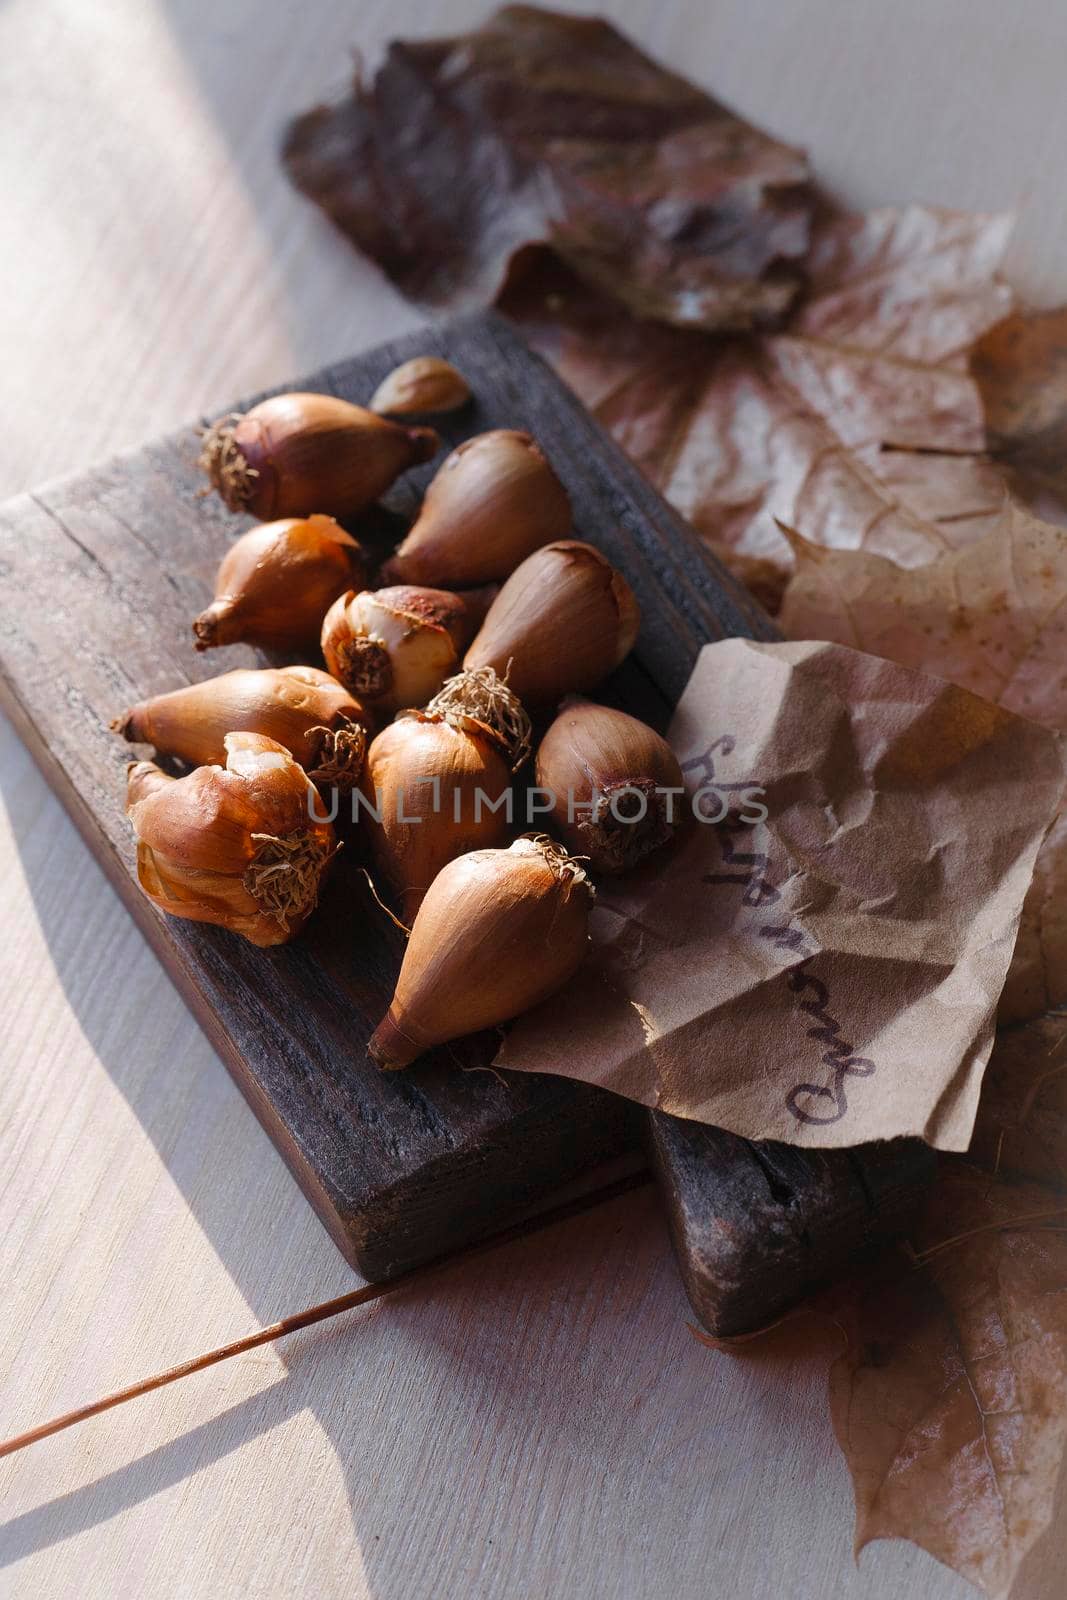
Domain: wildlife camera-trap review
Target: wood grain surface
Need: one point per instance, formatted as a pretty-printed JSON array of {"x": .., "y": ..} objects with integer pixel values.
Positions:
[{"x": 543, "y": 1423}]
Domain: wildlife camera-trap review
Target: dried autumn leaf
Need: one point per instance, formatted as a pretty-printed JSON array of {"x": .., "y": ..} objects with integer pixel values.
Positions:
[
  {"x": 991, "y": 617},
  {"x": 544, "y": 128},
  {"x": 1020, "y": 367},
  {"x": 1021, "y": 1127},
  {"x": 893, "y": 292},
  {"x": 950, "y": 1403},
  {"x": 860, "y": 423},
  {"x": 1037, "y": 977},
  {"x": 467, "y": 157}
]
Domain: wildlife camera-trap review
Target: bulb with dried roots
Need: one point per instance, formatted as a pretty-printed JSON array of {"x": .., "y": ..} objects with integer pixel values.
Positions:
[
  {"x": 498, "y": 931},
  {"x": 437, "y": 786},
  {"x": 296, "y": 454},
  {"x": 615, "y": 785},
  {"x": 393, "y": 648},
  {"x": 240, "y": 846},
  {"x": 321, "y": 725},
  {"x": 560, "y": 624}
]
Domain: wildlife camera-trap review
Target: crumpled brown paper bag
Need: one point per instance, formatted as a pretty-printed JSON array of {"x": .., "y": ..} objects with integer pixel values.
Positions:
[{"x": 829, "y": 975}]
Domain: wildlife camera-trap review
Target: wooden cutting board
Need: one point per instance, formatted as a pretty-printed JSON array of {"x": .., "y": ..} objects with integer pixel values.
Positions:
[{"x": 100, "y": 577}]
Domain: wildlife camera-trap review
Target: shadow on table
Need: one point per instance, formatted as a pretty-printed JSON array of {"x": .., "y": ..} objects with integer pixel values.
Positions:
[{"x": 576, "y": 1336}]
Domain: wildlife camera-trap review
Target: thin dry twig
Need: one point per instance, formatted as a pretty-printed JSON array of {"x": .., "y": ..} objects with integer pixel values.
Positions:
[
  {"x": 395, "y": 920},
  {"x": 327, "y": 1309},
  {"x": 923, "y": 1256}
]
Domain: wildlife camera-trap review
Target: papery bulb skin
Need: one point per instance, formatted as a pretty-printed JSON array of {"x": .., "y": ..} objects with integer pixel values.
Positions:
[
  {"x": 436, "y": 788},
  {"x": 144, "y": 778},
  {"x": 242, "y": 846},
  {"x": 324, "y": 728},
  {"x": 394, "y": 647},
  {"x": 277, "y": 582},
  {"x": 616, "y": 785},
  {"x": 296, "y": 454},
  {"x": 497, "y": 932},
  {"x": 560, "y": 624},
  {"x": 493, "y": 501}
]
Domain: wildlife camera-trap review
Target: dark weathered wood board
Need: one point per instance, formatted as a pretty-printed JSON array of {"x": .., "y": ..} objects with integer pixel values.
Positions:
[
  {"x": 100, "y": 577},
  {"x": 775, "y": 1223}
]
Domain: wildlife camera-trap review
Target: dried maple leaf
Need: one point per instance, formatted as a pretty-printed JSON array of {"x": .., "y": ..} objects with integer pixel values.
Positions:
[
  {"x": 667, "y": 216},
  {"x": 991, "y": 617},
  {"x": 544, "y": 128},
  {"x": 950, "y": 1403},
  {"x": 860, "y": 423},
  {"x": 879, "y": 345}
]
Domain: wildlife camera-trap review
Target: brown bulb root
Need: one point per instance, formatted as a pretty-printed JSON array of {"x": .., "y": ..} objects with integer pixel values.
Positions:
[
  {"x": 364, "y": 667},
  {"x": 614, "y": 835},
  {"x": 223, "y": 461},
  {"x": 338, "y": 755},
  {"x": 478, "y": 693},
  {"x": 567, "y": 869},
  {"x": 283, "y": 876}
]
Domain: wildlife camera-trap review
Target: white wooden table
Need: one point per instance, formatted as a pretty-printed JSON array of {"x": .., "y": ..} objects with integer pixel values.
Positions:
[{"x": 541, "y": 1423}]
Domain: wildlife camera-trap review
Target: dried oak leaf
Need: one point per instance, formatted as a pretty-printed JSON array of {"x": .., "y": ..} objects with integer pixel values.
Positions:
[
  {"x": 1020, "y": 367},
  {"x": 950, "y": 1403},
  {"x": 544, "y": 128},
  {"x": 859, "y": 423}
]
